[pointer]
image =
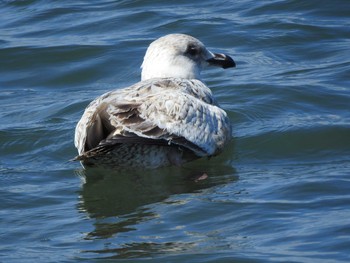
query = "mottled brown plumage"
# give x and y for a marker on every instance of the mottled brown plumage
(156, 122)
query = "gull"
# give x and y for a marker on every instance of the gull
(168, 118)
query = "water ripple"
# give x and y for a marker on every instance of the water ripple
(278, 193)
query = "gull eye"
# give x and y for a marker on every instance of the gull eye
(192, 50)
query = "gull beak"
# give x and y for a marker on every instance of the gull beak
(221, 60)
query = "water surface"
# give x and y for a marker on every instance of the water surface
(280, 193)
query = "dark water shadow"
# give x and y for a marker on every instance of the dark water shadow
(120, 200)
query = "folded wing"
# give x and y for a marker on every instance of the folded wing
(160, 112)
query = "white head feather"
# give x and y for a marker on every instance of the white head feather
(175, 55)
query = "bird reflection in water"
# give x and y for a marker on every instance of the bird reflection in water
(119, 201)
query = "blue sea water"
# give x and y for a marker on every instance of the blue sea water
(279, 193)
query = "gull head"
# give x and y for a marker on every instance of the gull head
(180, 56)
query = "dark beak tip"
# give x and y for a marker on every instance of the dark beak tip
(228, 62)
(223, 61)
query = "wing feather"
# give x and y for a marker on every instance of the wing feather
(174, 111)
